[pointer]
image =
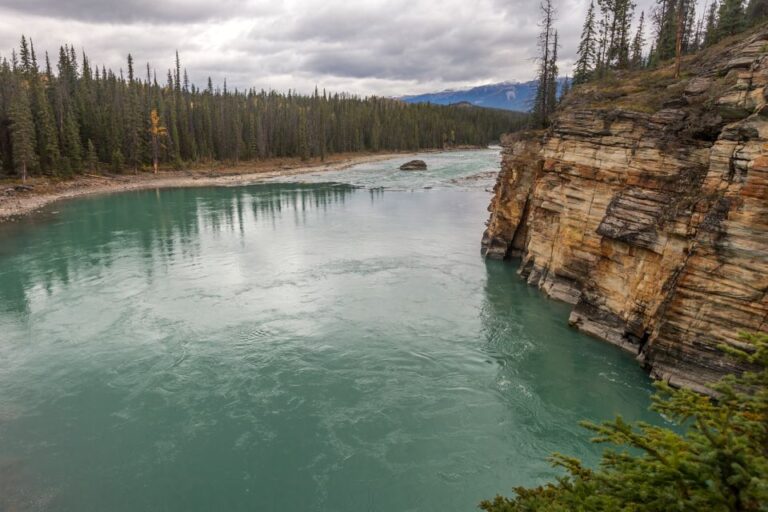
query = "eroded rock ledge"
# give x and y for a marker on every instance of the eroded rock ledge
(652, 222)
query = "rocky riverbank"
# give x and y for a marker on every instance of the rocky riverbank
(646, 207)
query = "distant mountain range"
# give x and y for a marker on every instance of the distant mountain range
(505, 95)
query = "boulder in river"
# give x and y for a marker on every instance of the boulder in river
(414, 165)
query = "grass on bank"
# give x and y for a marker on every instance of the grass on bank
(649, 90)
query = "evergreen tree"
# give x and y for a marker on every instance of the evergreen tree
(45, 129)
(604, 40)
(694, 29)
(716, 460)
(638, 43)
(586, 53)
(730, 19)
(303, 143)
(71, 145)
(130, 68)
(651, 56)
(543, 105)
(674, 22)
(35, 67)
(132, 115)
(621, 15)
(710, 32)
(92, 158)
(665, 24)
(679, 35)
(117, 161)
(757, 11)
(552, 82)
(48, 70)
(22, 132)
(25, 56)
(85, 114)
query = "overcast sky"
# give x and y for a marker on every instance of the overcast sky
(363, 46)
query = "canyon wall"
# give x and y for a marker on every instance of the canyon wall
(646, 207)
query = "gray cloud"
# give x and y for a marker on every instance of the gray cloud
(131, 11)
(368, 47)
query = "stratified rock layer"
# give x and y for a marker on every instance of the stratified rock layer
(652, 222)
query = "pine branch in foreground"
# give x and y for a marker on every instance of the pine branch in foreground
(718, 463)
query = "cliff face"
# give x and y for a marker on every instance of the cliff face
(646, 207)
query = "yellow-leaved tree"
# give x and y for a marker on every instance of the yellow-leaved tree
(158, 132)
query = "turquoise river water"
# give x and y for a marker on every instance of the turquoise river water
(333, 344)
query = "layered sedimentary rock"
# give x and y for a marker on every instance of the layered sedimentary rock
(646, 207)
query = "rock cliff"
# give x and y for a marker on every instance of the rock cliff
(646, 207)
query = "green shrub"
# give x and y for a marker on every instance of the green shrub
(719, 463)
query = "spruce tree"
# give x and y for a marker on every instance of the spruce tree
(542, 107)
(716, 458)
(45, 129)
(132, 125)
(552, 82)
(757, 11)
(130, 69)
(303, 143)
(603, 39)
(710, 32)
(25, 56)
(35, 66)
(696, 41)
(586, 54)
(730, 18)
(48, 70)
(71, 145)
(665, 24)
(621, 15)
(22, 132)
(638, 43)
(92, 157)
(87, 114)
(679, 35)
(117, 161)
(692, 33)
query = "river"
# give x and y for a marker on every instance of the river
(336, 344)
